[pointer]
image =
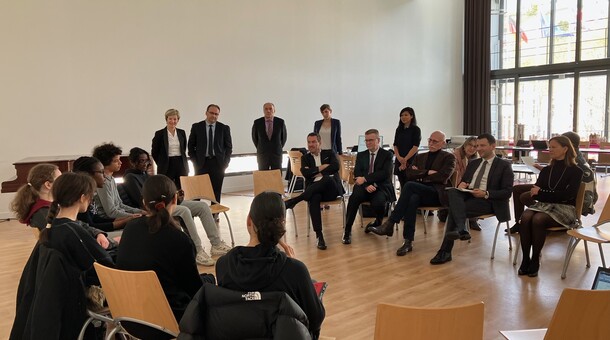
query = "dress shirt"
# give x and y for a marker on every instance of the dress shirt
(483, 185)
(325, 137)
(173, 144)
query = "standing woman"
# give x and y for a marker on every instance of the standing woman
(32, 201)
(406, 143)
(329, 130)
(555, 191)
(169, 149)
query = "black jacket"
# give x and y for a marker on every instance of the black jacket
(263, 145)
(310, 170)
(198, 144)
(381, 176)
(444, 164)
(159, 149)
(214, 313)
(335, 134)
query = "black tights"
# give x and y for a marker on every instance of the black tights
(533, 234)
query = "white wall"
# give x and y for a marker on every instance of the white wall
(77, 73)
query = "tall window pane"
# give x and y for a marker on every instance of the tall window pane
(533, 32)
(591, 105)
(503, 108)
(503, 14)
(564, 30)
(562, 106)
(533, 107)
(594, 29)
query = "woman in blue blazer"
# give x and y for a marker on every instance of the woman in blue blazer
(329, 130)
(169, 149)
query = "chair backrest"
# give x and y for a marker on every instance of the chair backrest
(346, 168)
(581, 314)
(605, 214)
(136, 294)
(580, 199)
(268, 180)
(400, 322)
(295, 162)
(198, 187)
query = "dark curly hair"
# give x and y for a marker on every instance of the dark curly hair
(105, 152)
(135, 153)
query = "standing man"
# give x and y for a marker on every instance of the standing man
(486, 187)
(210, 148)
(322, 183)
(426, 180)
(372, 183)
(269, 137)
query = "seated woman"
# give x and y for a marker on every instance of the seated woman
(94, 168)
(32, 201)
(260, 266)
(51, 298)
(156, 242)
(464, 154)
(555, 192)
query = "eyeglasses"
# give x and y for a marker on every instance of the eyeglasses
(370, 140)
(434, 141)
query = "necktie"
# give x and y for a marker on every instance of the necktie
(372, 164)
(269, 126)
(477, 181)
(210, 142)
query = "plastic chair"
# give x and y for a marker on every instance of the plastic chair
(580, 314)
(200, 187)
(137, 303)
(457, 323)
(588, 235)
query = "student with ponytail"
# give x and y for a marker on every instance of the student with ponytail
(32, 201)
(156, 242)
(260, 266)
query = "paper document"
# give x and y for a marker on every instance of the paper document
(460, 189)
(529, 162)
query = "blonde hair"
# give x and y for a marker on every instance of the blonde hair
(171, 112)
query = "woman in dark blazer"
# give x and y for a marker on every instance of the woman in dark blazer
(169, 149)
(329, 124)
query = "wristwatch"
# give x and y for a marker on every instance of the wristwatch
(486, 194)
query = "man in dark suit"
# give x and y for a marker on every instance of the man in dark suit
(488, 182)
(269, 137)
(322, 183)
(210, 148)
(427, 179)
(372, 183)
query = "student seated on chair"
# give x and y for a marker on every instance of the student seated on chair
(187, 209)
(489, 181)
(260, 266)
(322, 183)
(156, 242)
(555, 192)
(372, 183)
(427, 178)
(51, 300)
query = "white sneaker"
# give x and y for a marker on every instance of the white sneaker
(204, 259)
(220, 249)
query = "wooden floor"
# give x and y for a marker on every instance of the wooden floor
(368, 272)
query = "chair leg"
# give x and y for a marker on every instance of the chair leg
(572, 243)
(308, 220)
(230, 229)
(291, 185)
(294, 220)
(587, 254)
(517, 249)
(601, 254)
(425, 214)
(493, 247)
(343, 210)
(510, 240)
(361, 219)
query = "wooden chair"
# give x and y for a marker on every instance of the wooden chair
(200, 187)
(580, 314)
(346, 171)
(588, 235)
(271, 180)
(457, 323)
(137, 303)
(295, 167)
(580, 198)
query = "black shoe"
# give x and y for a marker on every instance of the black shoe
(290, 204)
(441, 257)
(369, 227)
(533, 269)
(387, 228)
(462, 235)
(524, 268)
(514, 229)
(406, 247)
(321, 244)
(442, 215)
(474, 225)
(347, 238)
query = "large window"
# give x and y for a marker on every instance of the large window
(549, 68)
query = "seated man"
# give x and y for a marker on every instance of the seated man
(427, 179)
(522, 196)
(489, 181)
(134, 181)
(322, 183)
(372, 183)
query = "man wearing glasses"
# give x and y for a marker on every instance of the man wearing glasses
(427, 179)
(372, 183)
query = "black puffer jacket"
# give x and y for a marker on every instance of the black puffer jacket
(217, 313)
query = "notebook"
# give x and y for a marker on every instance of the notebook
(602, 279)
(320, 288)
